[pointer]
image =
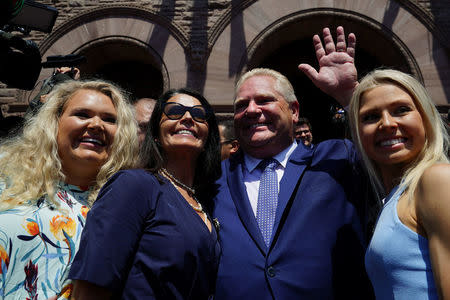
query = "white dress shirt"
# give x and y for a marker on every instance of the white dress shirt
(252, 174)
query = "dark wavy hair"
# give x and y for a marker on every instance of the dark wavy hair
(207, 169)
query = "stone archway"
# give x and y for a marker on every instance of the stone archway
(120, 37)
(135, 66)
(287, 42)
(420, 48)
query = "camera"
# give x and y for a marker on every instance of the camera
(57, 61)
(20, 59)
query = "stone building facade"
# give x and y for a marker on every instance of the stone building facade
(149, 46)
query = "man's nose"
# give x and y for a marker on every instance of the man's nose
(253, 107)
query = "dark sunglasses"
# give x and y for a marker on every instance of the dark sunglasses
(176, 111)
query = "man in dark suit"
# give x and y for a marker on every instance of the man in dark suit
(306, 242)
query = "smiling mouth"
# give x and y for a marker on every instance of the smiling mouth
(93, 141)
(392, 142)
(185, 132)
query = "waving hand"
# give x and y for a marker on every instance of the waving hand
(337, 74)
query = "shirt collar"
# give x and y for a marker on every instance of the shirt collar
(251, 162)
(76, 192)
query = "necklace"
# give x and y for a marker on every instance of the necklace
(189, 190)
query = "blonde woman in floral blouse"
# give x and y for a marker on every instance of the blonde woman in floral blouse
(50, 174)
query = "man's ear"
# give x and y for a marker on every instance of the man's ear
(295, 108)
(234, 147)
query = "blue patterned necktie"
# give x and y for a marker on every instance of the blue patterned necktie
(267, 198)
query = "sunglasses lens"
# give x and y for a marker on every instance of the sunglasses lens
(174, 111)
(198, 114)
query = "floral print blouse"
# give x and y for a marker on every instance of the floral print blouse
(38, 244)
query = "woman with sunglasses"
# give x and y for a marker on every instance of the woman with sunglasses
(148, 235)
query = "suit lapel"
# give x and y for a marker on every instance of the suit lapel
(235, 181)
(295, 167)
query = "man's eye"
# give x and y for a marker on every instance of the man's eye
(239, 106)
(263, 101)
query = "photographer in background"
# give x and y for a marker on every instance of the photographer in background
(60, 75)
(17, 53)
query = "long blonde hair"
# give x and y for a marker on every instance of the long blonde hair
(436, 142)
(29, 163)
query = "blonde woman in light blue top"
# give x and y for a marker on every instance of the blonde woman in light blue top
(50, 174)
(403, 142)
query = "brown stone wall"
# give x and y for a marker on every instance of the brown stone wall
(437, 12)
(185, 13)
(194, 17)
(440, 11)
(202, 23)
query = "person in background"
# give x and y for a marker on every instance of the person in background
(144, 108)
(290, 219)
(338, 128)
(228, 142)
(51, 174)
(303, 132)
(404, 143)
(59, 76)
(148, 235)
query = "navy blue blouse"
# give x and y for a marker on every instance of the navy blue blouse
(142, 240)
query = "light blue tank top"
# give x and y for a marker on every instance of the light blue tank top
(398, 260)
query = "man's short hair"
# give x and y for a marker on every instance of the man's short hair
(228, 132)
(282, 84)
(305, 121)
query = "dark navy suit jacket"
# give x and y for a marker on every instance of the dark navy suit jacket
(317, 248)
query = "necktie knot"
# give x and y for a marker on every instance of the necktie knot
(268, 164)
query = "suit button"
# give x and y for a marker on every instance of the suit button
(271, 271)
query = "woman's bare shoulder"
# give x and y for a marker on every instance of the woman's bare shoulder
(433, 193)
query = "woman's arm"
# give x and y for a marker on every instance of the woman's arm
(113, 230)
(84, 290)
(433, 213)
